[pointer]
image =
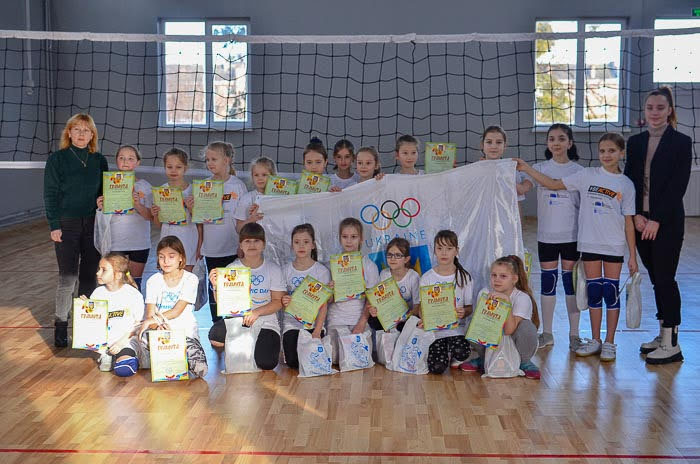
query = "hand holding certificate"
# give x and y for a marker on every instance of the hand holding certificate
(118, 189)
(208, 196)
(438, 307)
(391, 307)
(307, 299)
(233, 291)
(440, 156)
(348, 276)
(89, 324)
(486, 327)
(313, 183)
(281, 186)
(168, 355)
(172, 208)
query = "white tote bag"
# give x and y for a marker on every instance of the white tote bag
(385, 346)
(580, 286)
(411, 350)
(633, 302)
(315, 357)
(102, 235)
(355, 350)
(504, 361)
(239, 347)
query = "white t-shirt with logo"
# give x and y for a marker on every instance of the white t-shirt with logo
(125, 309)
(606, 199)
(222, 239)
(164, 298)
(246, 202)
(263, 280)
(293, 278)
(557, 210)
(463, 297)
(409, 286)
(187, 233)
(522, 304)
(344, 183)
(349, 312)
(132, 231)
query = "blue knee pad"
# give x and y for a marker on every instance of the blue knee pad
(567, 278)
(594, 288)
(611, 293)
(549, 282)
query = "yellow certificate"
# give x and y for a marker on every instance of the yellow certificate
(208, 201)
(437, 304)
(171, 204)
(348, 276)
(233, 291)
(486, 327)
(440, 156)
(391, 307)
(281, 186)
(307, 299)
(313, 183)
(168, 355)
(89, 324)
(117, 192)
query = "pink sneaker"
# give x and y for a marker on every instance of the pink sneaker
(475, 365)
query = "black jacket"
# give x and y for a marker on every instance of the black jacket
(669, 174)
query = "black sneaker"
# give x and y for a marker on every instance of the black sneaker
(60, 336)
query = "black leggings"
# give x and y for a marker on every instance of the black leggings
(289, 344)
(267, 345)
(374, 323)
(441, 350)
(213, 263)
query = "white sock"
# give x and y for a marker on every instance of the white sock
(547, 302)
(574, 314)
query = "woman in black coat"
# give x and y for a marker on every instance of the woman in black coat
(658, 162)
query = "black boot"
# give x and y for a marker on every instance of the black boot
(60, 337)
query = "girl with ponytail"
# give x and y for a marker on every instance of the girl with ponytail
(509, 283)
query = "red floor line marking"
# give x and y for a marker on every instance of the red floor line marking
(349, 454)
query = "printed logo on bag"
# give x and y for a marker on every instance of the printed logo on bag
(390, 212)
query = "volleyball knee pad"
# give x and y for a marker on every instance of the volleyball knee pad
(594, 288)
(611, 293)
(567, 278)
(549, 282)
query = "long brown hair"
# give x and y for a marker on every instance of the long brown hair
(447, 237)
(351, 222)
(174, 243)
(120, 263)
(518, 268)
(73, 121)
(665, 92)
(309, 229)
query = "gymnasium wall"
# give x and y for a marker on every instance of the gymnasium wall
(298, 17)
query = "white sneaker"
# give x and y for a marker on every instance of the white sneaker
(608, 352)
(575, 342)
(545, 339)
(454, 363)
(589, 348)
(105, 363)
(670, 349)
(648, 347)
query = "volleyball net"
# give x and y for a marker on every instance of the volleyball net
(268, 95)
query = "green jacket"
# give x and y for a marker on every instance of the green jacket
(71, 189)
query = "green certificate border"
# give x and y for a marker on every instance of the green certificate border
(440, 165)
(277, 185)
(439, 321)
(103, 307)
(241, 278)
(171, 208)
(392, 309)
(204, 199)
(486, 326)
(154, 337)
(111, 205)
(323, 183)
(304, 300)
(351, 288)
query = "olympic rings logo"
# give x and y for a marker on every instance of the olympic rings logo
(390, 212)
(257, 279)
(296, 281)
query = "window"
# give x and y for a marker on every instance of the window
(204, 84)
(677, 58)
(577, 81)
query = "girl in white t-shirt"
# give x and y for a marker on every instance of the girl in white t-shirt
(305, 263)
(557, 232)
(450, 348)
(170, 297)
(605, 227)
(266, 291)
(509, 282)
(406, 152)
(344, 156)
(248, 209)
(398, 258)
(175, 161)
(125, 311)
(131, 233)
(367, 164)
(352, 314)
(220, 241)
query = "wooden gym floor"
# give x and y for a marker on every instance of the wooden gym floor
(57, 407)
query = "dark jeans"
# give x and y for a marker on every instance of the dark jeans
(213, 263)
(77, 262)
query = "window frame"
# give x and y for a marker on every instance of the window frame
(686, 84)
(579, 124)
(210, 123)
